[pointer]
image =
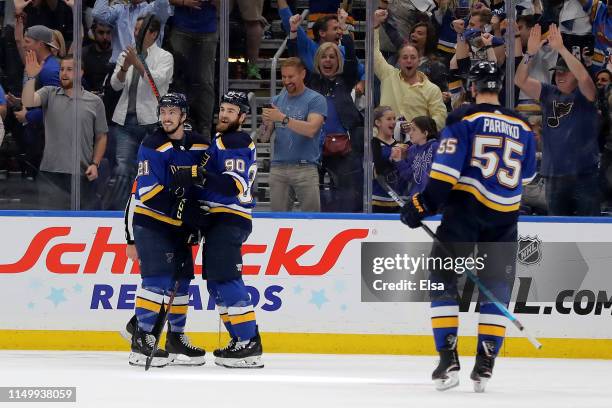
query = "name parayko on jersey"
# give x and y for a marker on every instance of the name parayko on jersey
(499, 126)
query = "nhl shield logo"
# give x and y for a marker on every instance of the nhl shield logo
(529, 250)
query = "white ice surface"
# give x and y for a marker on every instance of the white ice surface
(104, 379)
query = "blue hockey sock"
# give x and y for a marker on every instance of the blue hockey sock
(491, 328)
(148, 305)
(178, 312)
(444, 322)
(237, 310)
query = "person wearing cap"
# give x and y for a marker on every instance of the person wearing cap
(570, 156)
(38, 41)
(57, 161)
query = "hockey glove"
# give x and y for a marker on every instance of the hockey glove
(192, 213)
(189, 176)
(414, 211)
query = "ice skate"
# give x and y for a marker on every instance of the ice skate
(182, 352)
(446, 375)
(483, 368)
(244, 354)
(142, 346)
(218, 353)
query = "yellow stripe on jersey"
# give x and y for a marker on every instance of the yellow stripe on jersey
(229, 210)
(220, 144)
(528, 107)
(599, 57)
(164, 147)
(239, 185)
(159, 217)
(445, 48)
(147, 304)
(443, 322)
(491, 330)
(385, 203)
(151, 193)
(484, 200)
(442, 177)
(252, 146)
(455, 84)
(199, 146)
(247, 317)
(224, 317)
(511, 119)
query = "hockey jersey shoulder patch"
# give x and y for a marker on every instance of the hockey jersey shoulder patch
(458, 114)
(157, 141)
(235, 140)
(197, 141)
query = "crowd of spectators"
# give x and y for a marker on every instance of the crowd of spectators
(423, 49)
(178, 51)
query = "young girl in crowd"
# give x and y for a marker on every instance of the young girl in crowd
(384, 147)
(414, 169)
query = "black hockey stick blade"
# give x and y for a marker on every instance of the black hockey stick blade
(162, 319)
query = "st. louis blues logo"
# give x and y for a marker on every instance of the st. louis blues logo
(529, 250)
(421, 164)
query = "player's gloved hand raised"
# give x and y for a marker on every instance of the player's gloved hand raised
(193, 213)
(188, 176)
(414, 211)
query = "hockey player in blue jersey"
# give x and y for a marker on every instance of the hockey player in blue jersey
(227, 176)
(486, 154)
(161, 237)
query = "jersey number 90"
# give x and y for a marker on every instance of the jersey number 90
(239, 166)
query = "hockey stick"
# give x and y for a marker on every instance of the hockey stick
(139, 44)
(483, 289)
(162, 319)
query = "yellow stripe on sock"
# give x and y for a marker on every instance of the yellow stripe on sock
(224, 317)
(247, 317)
(491, 330)
(179, 309)
(147, 304)
(444, 322)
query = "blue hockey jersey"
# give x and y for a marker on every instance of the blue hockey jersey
(231, 167)
(484, 157)
(153, 195)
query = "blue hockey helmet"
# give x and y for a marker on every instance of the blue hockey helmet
(174, 99)
(237, 98)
